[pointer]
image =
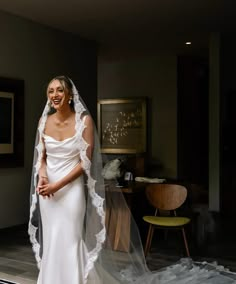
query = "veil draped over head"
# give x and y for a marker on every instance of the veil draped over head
(112, 266)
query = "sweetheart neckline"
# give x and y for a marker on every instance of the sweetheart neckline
(59, 140)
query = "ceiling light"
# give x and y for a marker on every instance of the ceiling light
(188, 43)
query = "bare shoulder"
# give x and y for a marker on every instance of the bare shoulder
(88, 120)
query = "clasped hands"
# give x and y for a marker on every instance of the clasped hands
(45, 188)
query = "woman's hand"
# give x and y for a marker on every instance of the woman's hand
(42, 180)
(47, 189)
(43, 187)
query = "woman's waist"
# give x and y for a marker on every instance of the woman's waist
(59, 165)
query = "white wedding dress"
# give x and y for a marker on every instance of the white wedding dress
(64, 251)
(65, 258)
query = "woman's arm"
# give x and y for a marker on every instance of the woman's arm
(50, 188)
(43, 168)
(42, 174)
(88, 136)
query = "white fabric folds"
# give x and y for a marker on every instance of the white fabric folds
(72, 245)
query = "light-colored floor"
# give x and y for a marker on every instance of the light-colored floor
(17, 261)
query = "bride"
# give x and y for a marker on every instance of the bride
(67, 212)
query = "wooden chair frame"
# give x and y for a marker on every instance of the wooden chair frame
(165, 197)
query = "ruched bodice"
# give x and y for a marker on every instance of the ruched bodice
(61, 155)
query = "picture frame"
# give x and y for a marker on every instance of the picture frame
(11, 122)
(122, 125)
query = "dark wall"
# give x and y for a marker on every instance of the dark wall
(35, 54)
(192, 106)
(228, 125)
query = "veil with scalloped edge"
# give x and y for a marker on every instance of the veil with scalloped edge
(100, 254)
(112, 266)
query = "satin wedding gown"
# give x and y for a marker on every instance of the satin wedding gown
(64, 251)
(56, 225)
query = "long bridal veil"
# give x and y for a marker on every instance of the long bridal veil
(110, 265)
(102, 263)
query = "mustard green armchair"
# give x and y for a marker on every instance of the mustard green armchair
(165, 198)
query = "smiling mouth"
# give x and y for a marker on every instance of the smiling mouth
(56, 102)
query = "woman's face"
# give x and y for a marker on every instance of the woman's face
(58, 95)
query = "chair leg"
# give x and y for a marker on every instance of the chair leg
(149, 240)
(185, 242)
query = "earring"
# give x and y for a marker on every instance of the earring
(70, 100)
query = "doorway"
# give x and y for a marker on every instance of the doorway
(192, 104)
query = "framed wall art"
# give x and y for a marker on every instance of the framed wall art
(11, 122)
(122, 125)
